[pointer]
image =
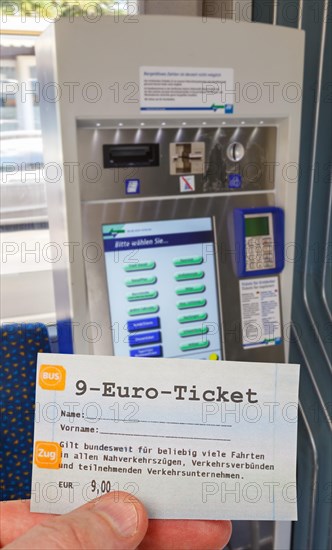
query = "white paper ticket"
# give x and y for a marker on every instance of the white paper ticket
(191, 439)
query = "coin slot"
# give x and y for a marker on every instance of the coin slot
(235, 151)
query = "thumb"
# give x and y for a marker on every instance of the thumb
(116, 521)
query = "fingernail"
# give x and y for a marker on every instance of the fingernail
(122, 515)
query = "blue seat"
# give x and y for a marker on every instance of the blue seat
(19, 345)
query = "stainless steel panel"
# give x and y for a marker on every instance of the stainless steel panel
(220, 208)
(256, 167)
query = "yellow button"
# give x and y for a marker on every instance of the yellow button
(214, 357)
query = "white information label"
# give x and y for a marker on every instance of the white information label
(191, 439)
(172, 89)
(260, 312)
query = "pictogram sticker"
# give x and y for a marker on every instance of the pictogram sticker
(132, 186)
(187, 184)
(47, 454)
(52, 377)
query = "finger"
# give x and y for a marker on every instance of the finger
(16, 519)
(116, 521)
(186, 535)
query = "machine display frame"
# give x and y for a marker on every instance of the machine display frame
(177, 245)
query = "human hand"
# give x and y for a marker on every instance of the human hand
(116, 521)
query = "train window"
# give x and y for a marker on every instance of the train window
(26, 274)
(26, 251)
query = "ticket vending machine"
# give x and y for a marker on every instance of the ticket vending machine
(171, 147)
